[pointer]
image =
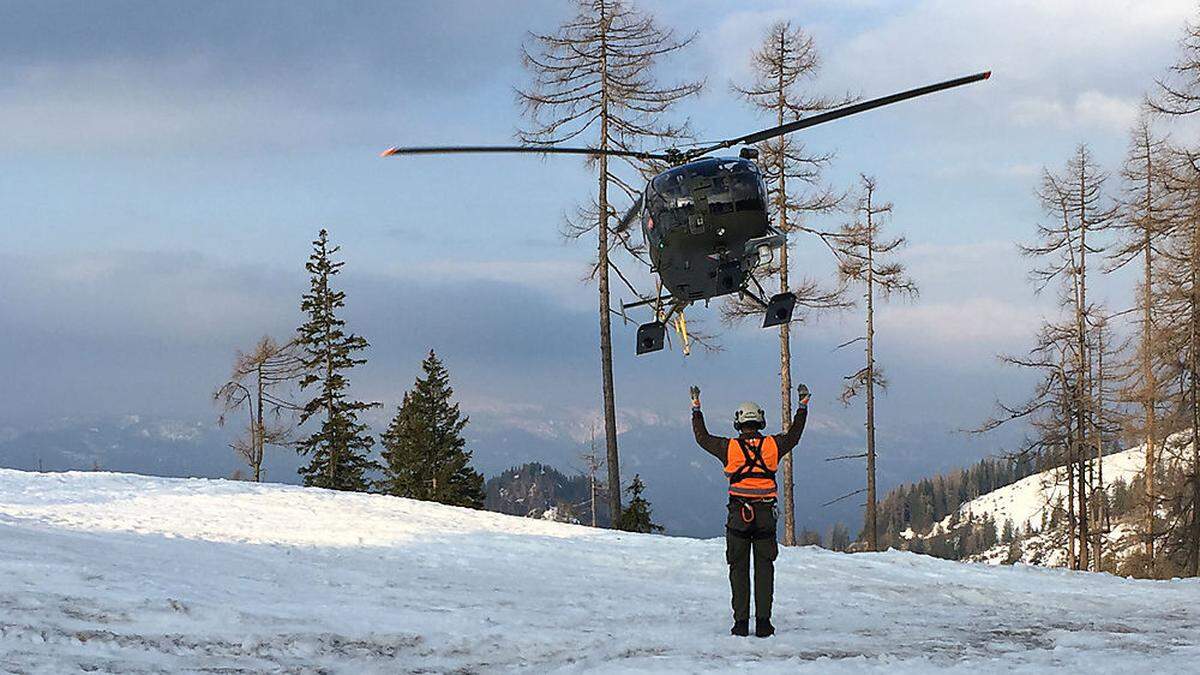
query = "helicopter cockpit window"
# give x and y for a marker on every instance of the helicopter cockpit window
(747, 191)
(669, 205)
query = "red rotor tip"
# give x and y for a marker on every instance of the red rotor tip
(987, 74)
(389, 152)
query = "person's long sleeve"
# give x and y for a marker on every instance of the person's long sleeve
(791, 438)
(713, 445)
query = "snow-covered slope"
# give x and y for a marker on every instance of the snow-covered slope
(125, 573)
(1025, 501)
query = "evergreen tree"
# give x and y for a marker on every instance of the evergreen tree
(636, 516)
(339, 450)
(425, 456)
(1009, 533)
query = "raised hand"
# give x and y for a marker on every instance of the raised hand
(695, 392)
(804, 393)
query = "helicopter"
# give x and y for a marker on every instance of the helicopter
(704, 220)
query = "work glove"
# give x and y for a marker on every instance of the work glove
(695, 391)
(802, 390)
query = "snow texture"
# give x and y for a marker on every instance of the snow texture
(122, 573)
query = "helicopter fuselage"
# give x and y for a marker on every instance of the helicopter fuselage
(706, 227)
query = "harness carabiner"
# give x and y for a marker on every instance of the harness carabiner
(747, 507)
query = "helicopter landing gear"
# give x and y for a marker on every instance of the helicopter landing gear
(651, 337)
(779, 309)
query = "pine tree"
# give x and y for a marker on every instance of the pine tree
(425, 456)
(809, 538)
(636, 516)
(340, 450)
(594, 78)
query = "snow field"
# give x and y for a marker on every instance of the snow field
(121, 573)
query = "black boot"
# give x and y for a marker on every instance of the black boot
(763, 628)
(740, 627)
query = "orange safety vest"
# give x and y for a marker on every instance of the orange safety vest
(750, 465)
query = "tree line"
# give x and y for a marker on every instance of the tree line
(303, 383)
(423, 455)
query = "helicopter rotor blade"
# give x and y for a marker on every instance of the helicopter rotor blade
(531, 149)
(839, 113)
(630, 215)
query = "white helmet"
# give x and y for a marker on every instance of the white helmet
(749, 413)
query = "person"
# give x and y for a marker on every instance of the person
(751, 460)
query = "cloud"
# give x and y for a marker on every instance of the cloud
(157, 108)
(1090, 109)
(154, 331)
(145, 77)
(1025, 43)
(182, 297)
(982, 324)
(560, 279)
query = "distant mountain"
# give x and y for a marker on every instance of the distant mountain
(685, 486)
(136, 444)
(540, 491)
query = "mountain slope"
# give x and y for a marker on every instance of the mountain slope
(1025, 521)
(1025, 501)
(125, 573)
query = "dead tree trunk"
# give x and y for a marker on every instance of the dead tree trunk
(594, 76)
(866, 259)
(872, 503)
(786, 58)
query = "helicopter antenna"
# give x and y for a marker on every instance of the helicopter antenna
(835, 114)
(532, 149)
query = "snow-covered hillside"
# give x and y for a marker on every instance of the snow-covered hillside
(1028, 504)
(1026, 501)
(124, 573)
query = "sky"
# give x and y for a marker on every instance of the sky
(164, 167)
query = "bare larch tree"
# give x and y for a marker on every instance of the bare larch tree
(594, 79)
(783, 63)
(1078, 207)
(256, 383)
(1178, 95)
(867, 259)
(1106, 352)
(1145, 221)
(593, 463)
(1177, 303)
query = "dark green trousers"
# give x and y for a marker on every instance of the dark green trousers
(751, 537)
